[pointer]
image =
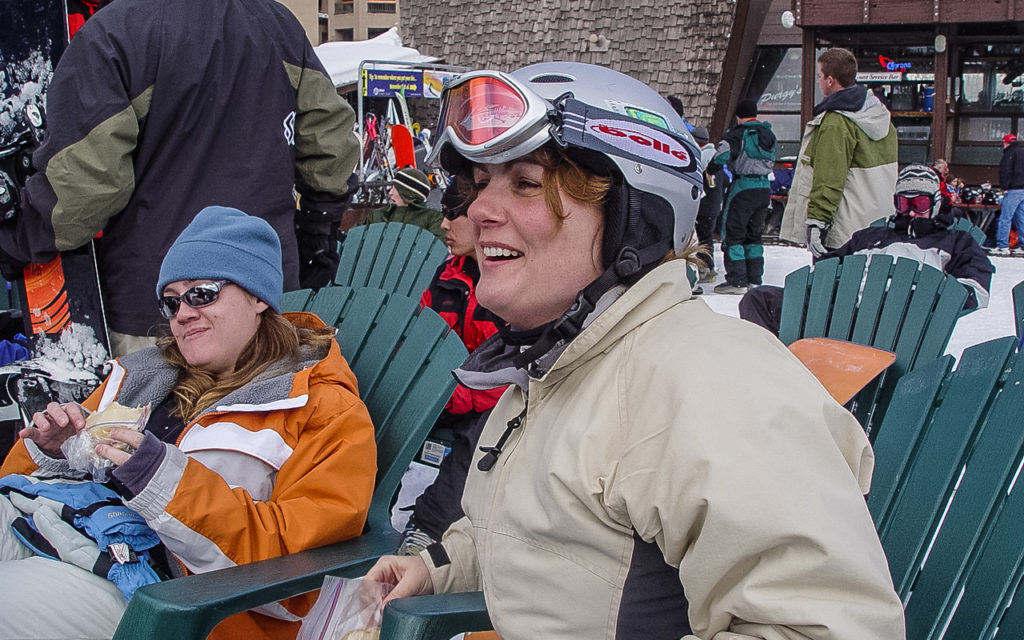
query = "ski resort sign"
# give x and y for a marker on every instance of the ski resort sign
(412, 83)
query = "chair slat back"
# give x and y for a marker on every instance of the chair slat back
(1018, 309)
(981, 519)
(392, 256)
(896, 305)
(402, 356)
(930, 479)
(947, 457)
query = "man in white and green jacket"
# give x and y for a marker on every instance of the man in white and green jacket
(848, 161)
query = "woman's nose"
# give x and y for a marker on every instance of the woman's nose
(185, 313)
(486, 207)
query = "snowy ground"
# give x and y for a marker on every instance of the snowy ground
(984, 324)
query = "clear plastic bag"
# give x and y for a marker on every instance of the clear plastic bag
(346, 610)
(80, 449)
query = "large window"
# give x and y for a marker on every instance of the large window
(775, 85)
(988, 89)
(991, 78)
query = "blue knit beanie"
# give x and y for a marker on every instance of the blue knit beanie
(225, 243)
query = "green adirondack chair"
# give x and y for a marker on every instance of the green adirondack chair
(944, 493)
(402, 357)
(904, 307)
(946, 463)
(393, 256)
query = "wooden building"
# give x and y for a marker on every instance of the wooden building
(676, 47)
(951, 71)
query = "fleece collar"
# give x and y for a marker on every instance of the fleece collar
(144, 377)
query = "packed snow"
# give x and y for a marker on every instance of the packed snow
(76, 356)
(995, 321)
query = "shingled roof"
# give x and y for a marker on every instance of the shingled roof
(677, 47)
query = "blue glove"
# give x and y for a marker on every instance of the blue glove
(50, 535)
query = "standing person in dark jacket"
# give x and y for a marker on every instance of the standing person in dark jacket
(1011, 180)
(918, 229)
(748, 149)
(157, 110)
(452, 293)
(710, 205)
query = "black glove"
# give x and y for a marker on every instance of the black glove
(317, 231)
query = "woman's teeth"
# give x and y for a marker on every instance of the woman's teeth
(498, 252)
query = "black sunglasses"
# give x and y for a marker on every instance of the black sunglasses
(198, 296)
(453, 213)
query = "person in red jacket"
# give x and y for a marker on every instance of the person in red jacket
(452, 293)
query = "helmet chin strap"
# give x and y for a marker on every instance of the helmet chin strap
(628, 263)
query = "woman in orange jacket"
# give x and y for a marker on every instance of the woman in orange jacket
(257, 444)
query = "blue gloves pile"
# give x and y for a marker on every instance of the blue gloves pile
(85, 524)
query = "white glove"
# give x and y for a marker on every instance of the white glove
(11, 547)
(816, 230)
(71, 545)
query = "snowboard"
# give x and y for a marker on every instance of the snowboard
(64, 294)
(401, 142)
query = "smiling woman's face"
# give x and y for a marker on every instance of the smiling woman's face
(532, 264)
(212, 337)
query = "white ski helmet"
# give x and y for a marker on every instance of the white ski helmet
(610, 123)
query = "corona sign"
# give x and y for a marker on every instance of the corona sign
(891, 65)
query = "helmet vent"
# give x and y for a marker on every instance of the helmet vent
(552, 78)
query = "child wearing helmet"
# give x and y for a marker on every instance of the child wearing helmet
(918, 229)
(611, 498)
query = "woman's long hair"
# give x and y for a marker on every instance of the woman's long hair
(276, 339)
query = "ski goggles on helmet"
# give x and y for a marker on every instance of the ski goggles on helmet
(490, 117)
(918, 203)
(201, 295)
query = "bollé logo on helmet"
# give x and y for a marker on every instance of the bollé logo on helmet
(641, 141)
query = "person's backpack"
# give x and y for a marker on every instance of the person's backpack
(754, 159)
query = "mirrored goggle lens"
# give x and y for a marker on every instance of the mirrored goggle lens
(919, 203)
(482, 109)
(198, 296)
